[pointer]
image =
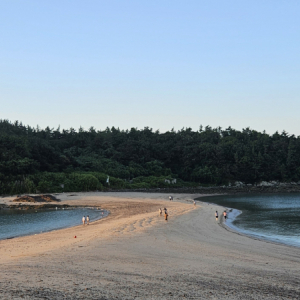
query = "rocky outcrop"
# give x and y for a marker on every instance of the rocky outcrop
(37, 198)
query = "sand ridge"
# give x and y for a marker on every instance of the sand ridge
(126, 216)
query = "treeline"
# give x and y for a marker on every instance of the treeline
(54, 160)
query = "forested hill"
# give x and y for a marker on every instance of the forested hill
(30, 157)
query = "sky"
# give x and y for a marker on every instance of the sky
(161, 64)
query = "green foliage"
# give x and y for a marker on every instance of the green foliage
(206, 174)
(101, 177)
(68, 160)
(29, 186)
(140, 185)
(85, 182)
(151, 181)
(21, 185)
(44, 186)
(116, 182)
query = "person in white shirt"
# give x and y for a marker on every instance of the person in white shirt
(83, 220)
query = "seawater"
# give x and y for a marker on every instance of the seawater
(272, 217)
(14, 223)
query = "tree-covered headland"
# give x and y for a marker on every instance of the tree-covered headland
(55, 160)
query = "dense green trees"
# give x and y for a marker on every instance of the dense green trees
(45, 159)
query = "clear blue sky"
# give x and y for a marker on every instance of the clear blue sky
(161, 64)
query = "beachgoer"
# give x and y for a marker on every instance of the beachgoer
(225, 215)
(87, 220)
(216, 215)
(166, 215)
(194, 203)
(170, 198)
(160, 211)
(83, 220)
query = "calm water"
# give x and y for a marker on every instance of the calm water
(272, 217)
(17, 223)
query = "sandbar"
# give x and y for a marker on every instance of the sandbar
(135, 254)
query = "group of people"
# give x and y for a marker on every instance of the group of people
(85, 220)
(165, 211)
(224, 215)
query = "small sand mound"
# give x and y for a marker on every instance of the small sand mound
(39, 198)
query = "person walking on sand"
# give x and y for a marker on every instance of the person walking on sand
(216, 215)
(194, 203)
(87, 220)
(166, 215)
(225, 215)
(83, 220)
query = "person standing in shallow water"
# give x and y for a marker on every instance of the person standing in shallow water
(225, 215)
(83, 220)
(87, 220)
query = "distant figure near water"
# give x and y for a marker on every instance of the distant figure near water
(194, 203)
(225, 215)
(171, 198)
(216, 215)
(87, 220)
(83, 220)
(166, 215)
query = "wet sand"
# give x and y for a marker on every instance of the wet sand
(135, 254)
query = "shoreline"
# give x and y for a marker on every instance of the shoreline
(235, 229)
(222, 223)
(135, 254)
(253, 236)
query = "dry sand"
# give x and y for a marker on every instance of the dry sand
(135, 254)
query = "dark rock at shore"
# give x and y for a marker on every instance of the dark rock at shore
(38, 198)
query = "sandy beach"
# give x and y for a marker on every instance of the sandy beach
(135, 254)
